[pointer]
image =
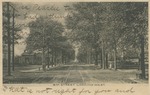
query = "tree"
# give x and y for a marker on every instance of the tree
(139, 25)
(111, 27)
(52, 42)
(9, 32)
(85, 22)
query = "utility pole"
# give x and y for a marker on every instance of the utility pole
(8, 35)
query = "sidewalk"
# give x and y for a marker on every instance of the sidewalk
(38, 69)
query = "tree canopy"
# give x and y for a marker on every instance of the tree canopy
(109, 27)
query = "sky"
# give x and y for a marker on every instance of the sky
(30, 12)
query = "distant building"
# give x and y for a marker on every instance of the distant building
(27, 58)
(30, 58)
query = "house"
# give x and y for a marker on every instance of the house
(27, 58)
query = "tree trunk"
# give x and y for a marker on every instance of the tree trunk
(87, 57)
(62, 57)
(91, 57)
(142, 57)
(48, 57)
(115, 60)
(13, 64)
(106, 62)
(55, 58)
(103, 56)
(52, 59)
(65, 59)
(8, 31)
(96, 57)
(43, 60)
(43, 54)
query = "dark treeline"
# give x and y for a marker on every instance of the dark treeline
(54, 46)
(109, 31)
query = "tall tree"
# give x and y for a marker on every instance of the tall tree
(84, 21)
(10, 31)
(111, 26)
(50, 32)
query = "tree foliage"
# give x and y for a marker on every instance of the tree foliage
(109, 27)
(46, 36)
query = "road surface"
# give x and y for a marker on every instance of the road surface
(71, 74)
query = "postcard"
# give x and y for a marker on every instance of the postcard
(74, 47)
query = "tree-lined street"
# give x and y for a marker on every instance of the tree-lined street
(78, 42)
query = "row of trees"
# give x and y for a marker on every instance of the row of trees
(109, 29)
(104, 30)
(10, 35)
(46, 36)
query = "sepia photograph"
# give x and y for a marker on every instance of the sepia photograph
(75, 43)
